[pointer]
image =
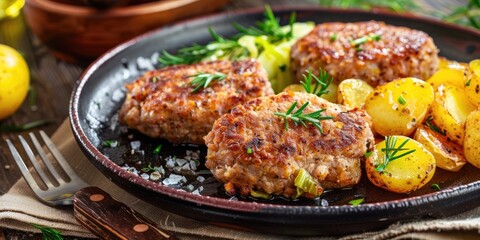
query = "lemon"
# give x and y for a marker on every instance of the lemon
(14, 80)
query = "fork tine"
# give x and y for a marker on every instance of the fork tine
(34, 162)
(43, 156)
(23, 168)
(58, 156)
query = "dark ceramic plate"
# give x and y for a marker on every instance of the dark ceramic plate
(98, 96)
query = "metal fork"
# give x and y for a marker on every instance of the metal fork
(54, 195)
(94, 208)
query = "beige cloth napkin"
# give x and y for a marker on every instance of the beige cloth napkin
(19, 208)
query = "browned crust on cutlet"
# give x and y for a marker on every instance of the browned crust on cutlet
(401, 52)
(161, 103)
(333, 158)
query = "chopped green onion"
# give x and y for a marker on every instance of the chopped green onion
(359, 41)
(249, 150)
(260, 194)
(110, 143)
(150, 168)
(368, 153)
(468, 82)
(436, 186)
(333, 37)
(157, 149)
(356, 202)
(402, 100)
(305, 183)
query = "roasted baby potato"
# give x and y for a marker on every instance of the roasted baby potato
(471, 146)
(446, 63)
(399, 106)
(401, 171)
(453, 76)
(450, 110)
(353, 92)
(448, 155)
(472, 84)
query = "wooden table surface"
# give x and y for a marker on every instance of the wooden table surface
(54, 79)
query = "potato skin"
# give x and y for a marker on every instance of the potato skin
(405, 174)
(450, 110)
(353, 93)
(455, 76)
(471, 146)
(472, 85)
(448, 155)
(389, 116)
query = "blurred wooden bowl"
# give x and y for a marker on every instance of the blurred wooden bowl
(80, 33)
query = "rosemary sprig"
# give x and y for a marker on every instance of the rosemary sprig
(202, 80)
(298, 117)
(48, 233)
(269, 27)
(468, 15)
(391, 152)
(24, 127)
(323, 80)
(196, 53)
(432, 126)
(396, 5)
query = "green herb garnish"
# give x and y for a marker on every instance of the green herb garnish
(468, 82)
(150, 168)
(202, 80)
(359, 41)
(305, 183)
(468, 15)
(24, 127)
(249, 150)
(396, 5)
(368, 153)
(433, 126)
(197, 53)
(436, 186)
(333, 37)
(299, 117)
(110, 143)
(157, 149)
(203, 172)
(356, 202)
(32, 98)
(260, 194)
(323, 80)
(269, 27)
(391, 152)
(48, 233)
(402, 100)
